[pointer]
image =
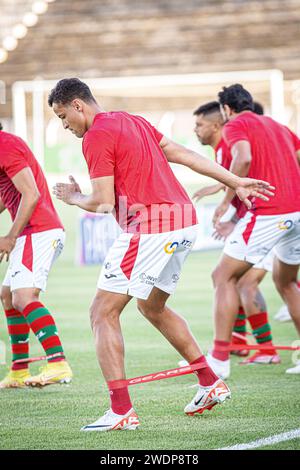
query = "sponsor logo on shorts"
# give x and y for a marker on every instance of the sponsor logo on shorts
(107, 265)
(175, 278)
(109, 276)
(57, 244)
(171, 247)
(232, 242)
(263, 250)
(186, 243)
(285, 224)
(146, 279)
(294, 251)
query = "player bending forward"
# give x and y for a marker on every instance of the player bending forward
(128, 165)
(34, 241)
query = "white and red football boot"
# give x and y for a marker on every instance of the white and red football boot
(207, 397)
(111, 421)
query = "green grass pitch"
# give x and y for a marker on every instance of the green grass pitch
(265, 401)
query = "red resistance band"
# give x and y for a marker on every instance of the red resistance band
(250, 347)
(39, 358)
(164, 374)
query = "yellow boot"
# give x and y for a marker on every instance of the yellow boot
(52, 373)
(15, 379)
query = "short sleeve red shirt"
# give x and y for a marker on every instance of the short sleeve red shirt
(149, 199)
(15, 155)
(273, 159)
(295, 138)
(224, 158)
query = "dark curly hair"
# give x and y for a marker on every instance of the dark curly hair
(258, 108)
(68, 89)
(237, 98)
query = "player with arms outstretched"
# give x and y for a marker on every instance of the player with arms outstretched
(127, 160)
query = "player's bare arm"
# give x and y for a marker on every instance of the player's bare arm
(102, 198)
(208, 191)
(241, 159)
(243, 187)
(25, 184)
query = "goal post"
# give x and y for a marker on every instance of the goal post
(34, 92)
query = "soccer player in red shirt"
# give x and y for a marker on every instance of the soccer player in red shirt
(34, 241)
(208, 128)
(128, 165)
(259, 146)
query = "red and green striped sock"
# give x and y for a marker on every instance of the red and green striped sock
(261, 330)
(18, 330)
(42, 324)
(240, 322)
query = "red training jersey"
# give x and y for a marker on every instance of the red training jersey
(274, 159)
(224, 158)
(15, 155)
(149, 199)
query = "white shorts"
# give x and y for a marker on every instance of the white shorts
(31, 259)
(137, 263)
(267, 262)
(255, 236)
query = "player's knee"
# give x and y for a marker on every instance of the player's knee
(6, 298)
(20, 300)
(150, 311)
(217, 276)
(283, 285)
(246, 290)
(101, 313)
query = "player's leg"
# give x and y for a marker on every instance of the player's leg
(105, 314)
(283, 314)
(239, 332)
(225, 278)
(107, 306)
(286, 267)
(256, 309)
(252, 239)
(177, 332)
(285, 279)
(18, 330)
(31, 262)
(286, 270)
(226, 303)
(170, 324)
(42, 323)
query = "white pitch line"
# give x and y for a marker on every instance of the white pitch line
(267, 441)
